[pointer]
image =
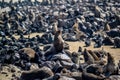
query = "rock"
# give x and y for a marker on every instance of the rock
(61, 57)
(67, 65)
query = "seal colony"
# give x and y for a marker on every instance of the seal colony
(60, 21)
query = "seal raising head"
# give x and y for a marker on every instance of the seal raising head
(58, 41)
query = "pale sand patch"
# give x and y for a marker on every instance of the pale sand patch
(115, 52)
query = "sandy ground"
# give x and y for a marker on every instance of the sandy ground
(115, 52)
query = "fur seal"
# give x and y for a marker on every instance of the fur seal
(75, 26)
(58, 44)
(76, 58)
(58, 41)
(117, 42)
(111, 67)
(30, 52)
(76, 30)
(54, 28)
(88, 57)
(94, 55)
(90, 76)
(108, 41)
(107, 27)
(41, 73)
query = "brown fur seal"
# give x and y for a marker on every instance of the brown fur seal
(76, 58)
(94, 55)
(90, 76)
(111, 67)
(88, 57)
(78, 33)
(107, 27)
(54, 28)
(97, 11)
(75, 27)
(30, 52)
(117, 42)
(75, 75)
(58, 44)
(58, 41)
(41, 73)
